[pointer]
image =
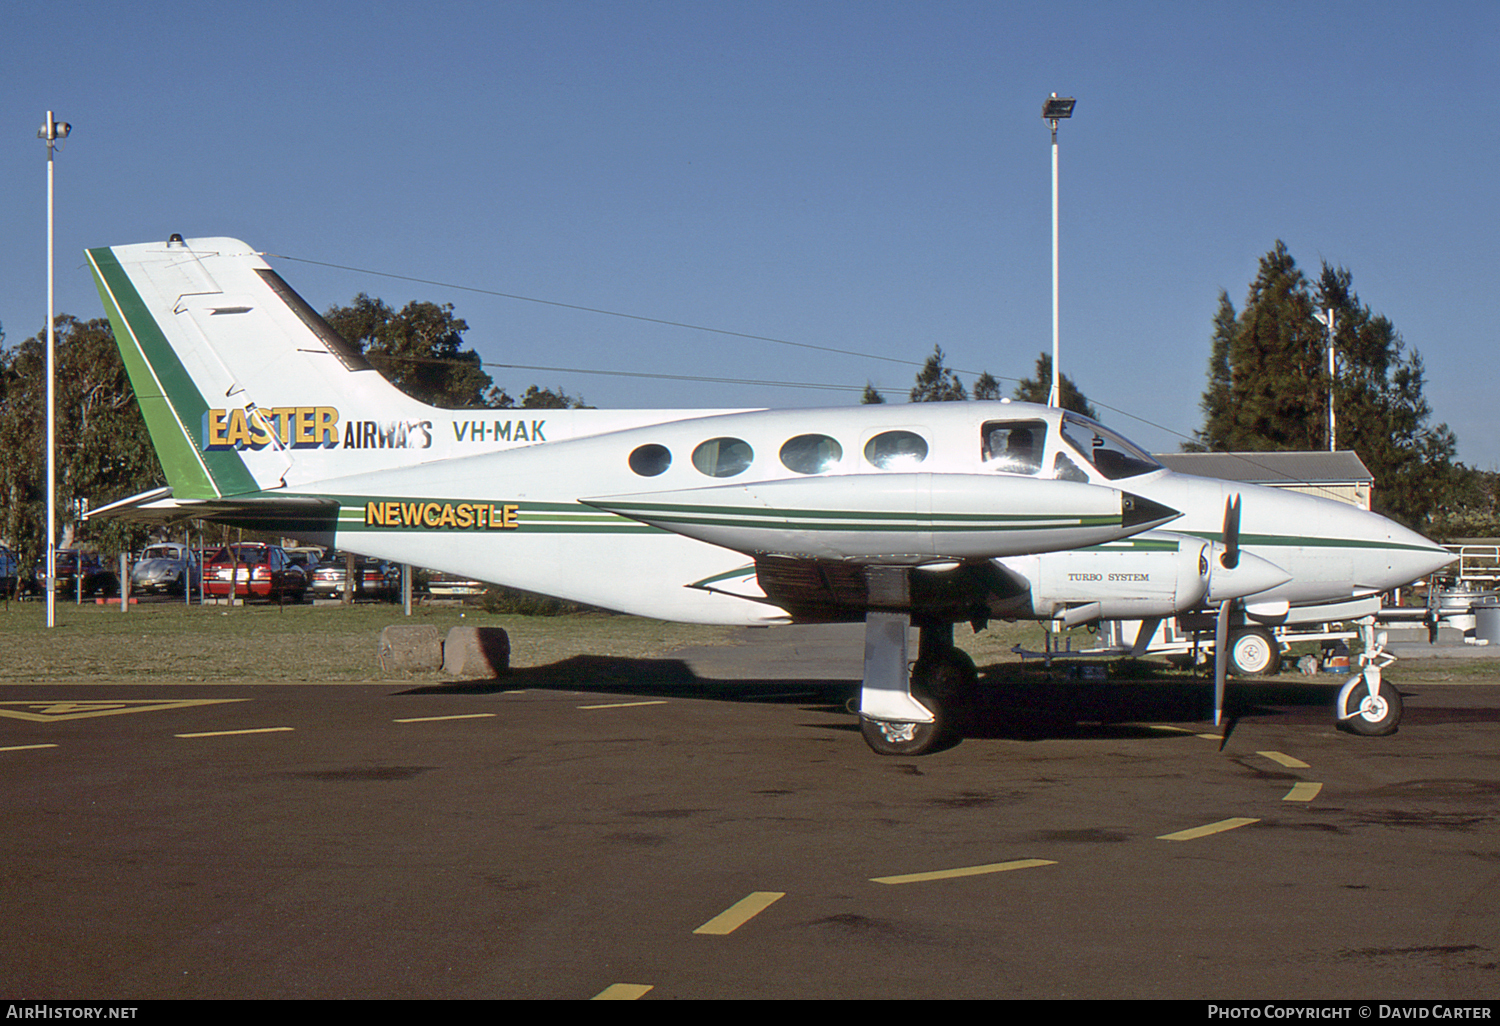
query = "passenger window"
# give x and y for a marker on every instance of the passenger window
(811, 454)
(650, 460)
(723, 457)
(896, 450)
(1013, 447)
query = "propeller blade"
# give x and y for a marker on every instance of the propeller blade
(1231, 557)
(1221, 658)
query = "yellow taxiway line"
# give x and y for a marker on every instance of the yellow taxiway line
(622, 992)
(1211, 828)
(950, 874)
(740, 913)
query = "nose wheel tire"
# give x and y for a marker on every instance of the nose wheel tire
(1369, 712)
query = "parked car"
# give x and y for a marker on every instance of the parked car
(373, 578)
(451, 586)
(9, 569)
(69, 564)
(257, 571)
(165, 569)
(308, 557)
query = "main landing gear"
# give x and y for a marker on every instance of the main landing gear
(913, 713)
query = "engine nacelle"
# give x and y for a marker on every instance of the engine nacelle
(1130, 580)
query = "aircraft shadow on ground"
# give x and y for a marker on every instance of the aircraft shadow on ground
(1013, 701)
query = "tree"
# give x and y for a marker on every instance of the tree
(535, 398)
(986, 388)
(103, 449)
(1268, 386)
(936, 383)
(871, 397)
(420, 351)
(1039, 389)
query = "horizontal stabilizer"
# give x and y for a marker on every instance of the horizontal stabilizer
(289, 514)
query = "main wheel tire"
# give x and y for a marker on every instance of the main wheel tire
(949, 680)
(901, 738)
(1254, 653)
(1370, 714)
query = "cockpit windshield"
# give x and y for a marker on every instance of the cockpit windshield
(1111, 455)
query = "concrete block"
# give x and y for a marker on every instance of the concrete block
(472, 653)
(410, 648)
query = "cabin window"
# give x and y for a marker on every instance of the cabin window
(896, 450)
(650, 460)
(811, 454)
(723, 457)
(1013, 446)
(1111, 455)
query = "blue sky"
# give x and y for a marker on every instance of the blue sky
(864, 176)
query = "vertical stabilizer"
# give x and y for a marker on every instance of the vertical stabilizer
(235, 372)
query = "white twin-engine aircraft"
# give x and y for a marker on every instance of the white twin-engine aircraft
(896, 515)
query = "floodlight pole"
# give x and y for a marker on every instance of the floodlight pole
(1053, 110)
(51, 131)
(1329, 320)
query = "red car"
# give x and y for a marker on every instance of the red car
(260, 571)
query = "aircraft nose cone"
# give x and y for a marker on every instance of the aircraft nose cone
(1413, 556)
(1136, 510)
(1250, 577)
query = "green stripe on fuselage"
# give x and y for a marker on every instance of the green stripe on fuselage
(1297, 541)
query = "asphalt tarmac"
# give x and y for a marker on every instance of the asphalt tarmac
(712, 826)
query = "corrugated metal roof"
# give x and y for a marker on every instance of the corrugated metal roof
(1272, 468)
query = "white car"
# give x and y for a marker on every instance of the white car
(165, 568)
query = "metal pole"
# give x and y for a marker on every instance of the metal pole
(1054, 397)
(1332, 432)
(50, 130)
(1329, 319)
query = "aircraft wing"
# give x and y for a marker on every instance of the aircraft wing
(833, 549)
(828, 591)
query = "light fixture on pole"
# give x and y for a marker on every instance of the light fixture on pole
(1329, 320)
(1054, 110)
(52, 131)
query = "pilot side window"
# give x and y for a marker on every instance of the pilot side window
(1064, 469)
(896, 450)
(723, 457)
(1111, 455)
(1013, 447)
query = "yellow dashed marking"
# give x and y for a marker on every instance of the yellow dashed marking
(434, 719)
(1204, 831)
(1285, 760)
(949, 874)
(623, 705)
(1306, 791)
(228, 733)
(23, 748)
(622, 992)
(740, 913)
(50, 712)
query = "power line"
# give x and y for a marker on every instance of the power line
(607, 313)
(691, 327)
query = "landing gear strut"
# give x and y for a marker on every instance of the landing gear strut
(912, 713)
